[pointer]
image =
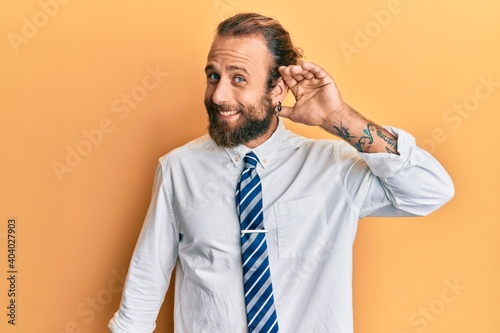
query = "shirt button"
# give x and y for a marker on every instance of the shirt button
(237, 158)
(265, 161)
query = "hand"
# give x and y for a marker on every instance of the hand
(316, 95)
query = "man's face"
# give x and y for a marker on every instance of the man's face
(239, 107)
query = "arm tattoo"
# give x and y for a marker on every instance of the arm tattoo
(343, 132)
(390, 141)
(365, 141)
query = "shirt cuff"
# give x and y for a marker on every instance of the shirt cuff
(386, 165)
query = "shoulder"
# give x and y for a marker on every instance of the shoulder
(196, 148)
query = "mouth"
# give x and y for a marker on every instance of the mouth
(226, 113)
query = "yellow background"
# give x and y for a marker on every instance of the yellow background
(65, 68)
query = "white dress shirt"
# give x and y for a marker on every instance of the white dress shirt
(314, 192)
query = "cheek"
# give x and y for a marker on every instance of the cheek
(209, 91)
(248, 98)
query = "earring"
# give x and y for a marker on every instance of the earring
(278, 107)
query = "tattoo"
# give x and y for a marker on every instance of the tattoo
(393, 149)
(343, 132)
(364, 142)
(390, 151)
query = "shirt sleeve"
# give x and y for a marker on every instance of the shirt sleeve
(412, 183)
(150, 269)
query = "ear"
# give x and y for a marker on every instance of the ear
(278, 93)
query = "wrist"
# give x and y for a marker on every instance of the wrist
(337, 116)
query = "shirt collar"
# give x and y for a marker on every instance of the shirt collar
(265, 151)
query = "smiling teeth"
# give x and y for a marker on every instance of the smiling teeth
(228, 113)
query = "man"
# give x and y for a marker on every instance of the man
(299, 199)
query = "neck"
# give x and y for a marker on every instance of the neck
(263, 138)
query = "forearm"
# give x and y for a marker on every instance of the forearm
(363, 134)
(412, 183)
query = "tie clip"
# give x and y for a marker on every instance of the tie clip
(260, 231)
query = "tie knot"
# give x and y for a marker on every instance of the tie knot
(250, 160)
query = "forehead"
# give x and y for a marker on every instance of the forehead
(249, 51)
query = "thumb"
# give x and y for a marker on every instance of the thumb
(286, 111)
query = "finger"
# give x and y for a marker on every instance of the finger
(298, 77)
(297, 73)
(287, 76)
(296, 69)
(308, 75)
(307, 71)
(317, 71)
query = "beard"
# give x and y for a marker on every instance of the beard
(254, 121)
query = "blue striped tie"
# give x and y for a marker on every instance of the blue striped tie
(259, 299)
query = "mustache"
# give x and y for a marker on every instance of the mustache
(211, 106)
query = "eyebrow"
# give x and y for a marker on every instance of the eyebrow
(229, 68)
(238, 68)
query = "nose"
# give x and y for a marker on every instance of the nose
(222, 93)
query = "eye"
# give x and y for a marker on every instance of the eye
(239, 79)
(213, 77)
